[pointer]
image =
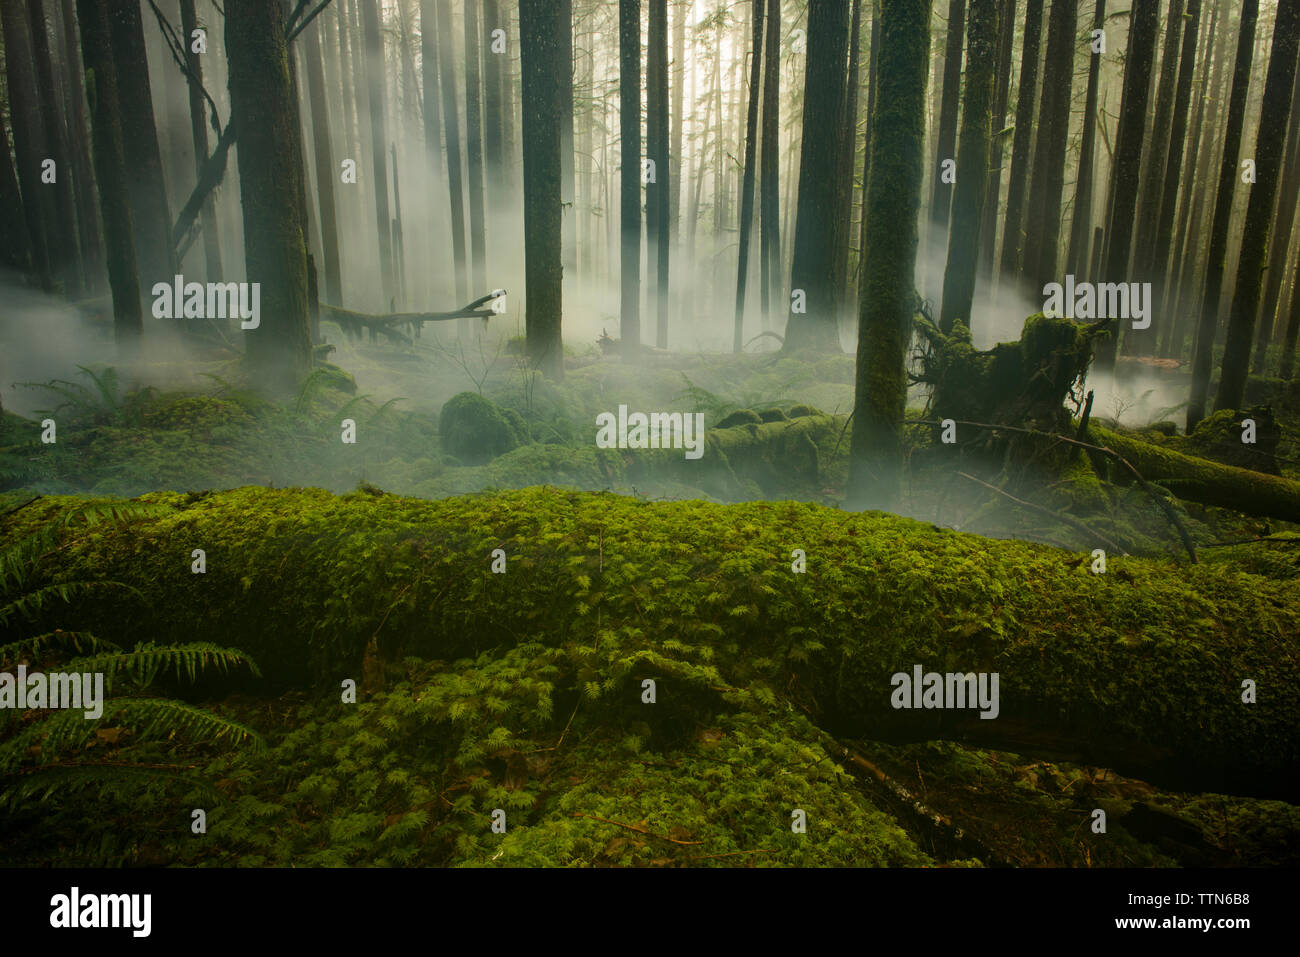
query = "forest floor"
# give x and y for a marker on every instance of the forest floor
(388, 781)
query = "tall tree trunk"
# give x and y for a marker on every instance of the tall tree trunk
(146, 189)
(540, 34)
(451, 128)
(1012, 229)
(812, 323)
(1128, 156)
(888, 297)
(79, 139)
(374, 41)
(350, 66)
(946, 141)
(15, 248)
(629, 108)
(747, 188)
(320, 129)
(1076, 256)
(1202, 357)
(429, 80)
(770, 161)
(842, 222)
(270, 184)
(1159, 260)
(972, 166)
(1042, 237)
(1280, 242)
(565, 73)
(474, 151)
(676, 119)
(493, 140)
(110, 174)
(199, 136)
(657, 192)
(1274, 112)
(65, 245)
(866, 139)
(29, 139)
(1001, 96)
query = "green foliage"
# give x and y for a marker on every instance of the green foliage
(474, 429)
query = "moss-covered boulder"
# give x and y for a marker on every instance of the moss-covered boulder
(1220, 437)
(739, 417)
(772, 415)
(799, 410)
(475, 429)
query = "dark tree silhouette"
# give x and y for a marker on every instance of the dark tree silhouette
(1076, 256)
(29, 139)
(946, 140)
(199, 136)
(374, 41)
(769, 176)
(1013, 222)
(657, 192)
(320, 128)
(474, 151)
(972, 166)
(629, 91)
(540, 35)
(747, 187)
(1203, 353)
(451, 127)
(1274, 113)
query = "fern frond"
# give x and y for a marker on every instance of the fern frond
(43, 782)
(146, 660)
(77, 640)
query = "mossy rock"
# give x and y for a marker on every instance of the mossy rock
(198, 414)
(773, 415)
(474, 429)
(800, 410)
(739, 417)
(1164, 427)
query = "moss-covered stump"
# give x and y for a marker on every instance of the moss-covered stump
(1219, 437)
(1139, 669)
(1210, 483)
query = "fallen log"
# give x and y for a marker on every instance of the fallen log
(1140, 670)
(352, 321)
(1209, 483)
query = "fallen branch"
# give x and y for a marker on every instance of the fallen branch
(639, 830)
(1056, 516)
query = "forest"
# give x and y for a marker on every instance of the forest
(599, 433)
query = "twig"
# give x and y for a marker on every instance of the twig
(639, 830)
(1074, 523)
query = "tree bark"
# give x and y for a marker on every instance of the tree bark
(657, 192)
(747, 187)
(270, 186)
(1207, 327)
(1269, 144)
(540, 34)
(320, 128)
(1002, 92)
(374, 41)
(1013, 222)
(972, 166)
(1076, 256)
(946, 140)
(29, 139)
(474, 151)
(769, 160)
(451, 127)
(888, 295)
(812, 271)
(629, 86)
(1280, 242)
(199, 136)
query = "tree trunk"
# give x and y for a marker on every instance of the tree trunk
(540, 34)
(493, 138)
(320, 128)
(629, 91)
(1002, 92)
(842, 222)
(564, 70)
(1273, 123)
(770, 161)
(676, 119)
(199, 136)
(15, 250)
(270, 184)
(1012, 229)
(1159, 261)
(972, 166)
(946, 141)
(1127, 167)
(150, 218)
(1280, 242)
(888, 295)
(1203, 353)
(474, 152)
(1076, 256)
(747, 188)
(451, 127)
(429, 80)
(374, 40)
(65, 246)
(110, 174)
(29, 139)
(1042, 237)
(79, 140)
(657, 193)
(813, 323)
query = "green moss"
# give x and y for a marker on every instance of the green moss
(772, 415)
(475, 429)
(739, 417)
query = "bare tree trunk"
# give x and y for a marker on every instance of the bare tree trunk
(110, 173)
(474, 151)
(629, 108)
(946, 141)
(1001, 95)
(29, 139)
(1076, 256)
(1280, 241)
(374, 40)
(451, 127)
(1013, 223)
(540, 33)
(747, 187)
(320, 129)
(79, 139)
(769, 160)
(1203, 352)
(657, 147)
(199, 135)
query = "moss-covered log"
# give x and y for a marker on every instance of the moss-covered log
(1140, 669)
(1210, 483)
